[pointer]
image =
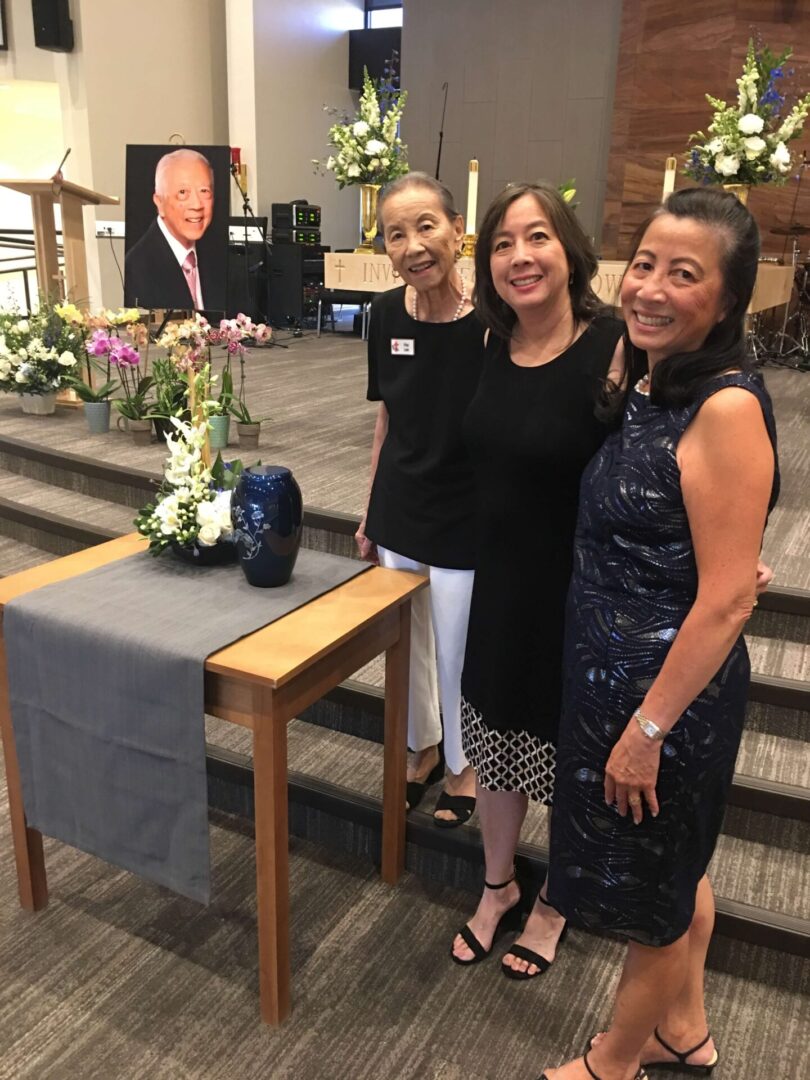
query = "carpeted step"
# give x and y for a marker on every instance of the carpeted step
(761, 861)
(84, 510)
(16, 556)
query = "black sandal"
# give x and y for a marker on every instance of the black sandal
(682, 1065)
(522, 953)
(462, 806)
(415, 789)
(510, 920)
(640, 1075)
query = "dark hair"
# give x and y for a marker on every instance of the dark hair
(494, 312)
(417, 179)
(677, 379)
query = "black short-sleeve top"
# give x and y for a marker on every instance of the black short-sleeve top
(422, 502)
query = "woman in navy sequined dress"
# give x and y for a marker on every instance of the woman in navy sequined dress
(672, 511)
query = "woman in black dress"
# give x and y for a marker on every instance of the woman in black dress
(425, 351)
(672, 511)
(531, 429)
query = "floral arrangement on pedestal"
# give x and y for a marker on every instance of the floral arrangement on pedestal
(38, 353)
(746, 143)
(367, 148)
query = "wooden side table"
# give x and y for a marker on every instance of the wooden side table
(262, 682)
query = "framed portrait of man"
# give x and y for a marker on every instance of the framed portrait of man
(176, 252)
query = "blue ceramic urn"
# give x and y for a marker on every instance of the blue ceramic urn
(267, 514)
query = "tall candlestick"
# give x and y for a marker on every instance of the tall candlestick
(472, 197)
(669, 178)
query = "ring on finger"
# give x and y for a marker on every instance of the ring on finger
(634, 800)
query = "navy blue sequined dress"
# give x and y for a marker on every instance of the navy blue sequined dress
(635, 579)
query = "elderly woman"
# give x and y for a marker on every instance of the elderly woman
(672, 512)
(424, 358)
(532, 429)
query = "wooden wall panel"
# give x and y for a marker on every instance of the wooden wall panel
(671, 53)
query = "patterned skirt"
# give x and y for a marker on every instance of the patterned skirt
(507, 760)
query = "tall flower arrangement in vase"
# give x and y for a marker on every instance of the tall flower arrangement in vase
(747, 142)
(367, 148)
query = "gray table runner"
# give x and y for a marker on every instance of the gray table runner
(106, 680)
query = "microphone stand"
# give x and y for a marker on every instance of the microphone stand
(445, 85)
(247, 210)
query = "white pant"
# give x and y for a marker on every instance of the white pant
(439, 617)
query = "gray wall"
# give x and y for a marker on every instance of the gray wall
(301, 55)
(531, 93)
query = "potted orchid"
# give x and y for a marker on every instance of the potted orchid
(38, 353)
(747, 142)
(232, 334)
(95, 393)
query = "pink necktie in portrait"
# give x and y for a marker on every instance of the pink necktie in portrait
(190, 269)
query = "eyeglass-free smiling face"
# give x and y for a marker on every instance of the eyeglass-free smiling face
(528, 263)
(420, 239)
(673, 292)
(186, 200)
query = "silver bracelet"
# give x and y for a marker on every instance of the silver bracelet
(650, 729)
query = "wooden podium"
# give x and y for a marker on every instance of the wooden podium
(71, 198)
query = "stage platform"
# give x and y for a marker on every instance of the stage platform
(321, 427)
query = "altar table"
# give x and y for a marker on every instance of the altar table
(262, 682)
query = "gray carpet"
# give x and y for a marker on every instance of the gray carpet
(120, 979)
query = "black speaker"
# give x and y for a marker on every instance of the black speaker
(53, 27)
(371, 49)
(294, 275)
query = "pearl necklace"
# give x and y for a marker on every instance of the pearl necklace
(643, 385)
(459, 309)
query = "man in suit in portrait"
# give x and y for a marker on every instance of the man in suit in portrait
(164, 269)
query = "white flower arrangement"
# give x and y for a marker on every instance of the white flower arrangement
(38, 353)
(368, 149)
(746, 143)
(193, 504)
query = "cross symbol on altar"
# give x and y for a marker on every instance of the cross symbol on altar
(340, 267)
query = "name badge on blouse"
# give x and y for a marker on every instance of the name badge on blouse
(402, 346)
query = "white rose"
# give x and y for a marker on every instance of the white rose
(727, 164)
(780, 158)
(751, 124)
(21, 377)
(353, 170)
(67, 359)
(374, 148)
(754, 146)
(360, 128)
(715, 146)
(208, 535)
(22, 326)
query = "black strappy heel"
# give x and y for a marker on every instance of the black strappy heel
(640, 1075)
(510, 920)
(522, 953)
(682, 1065)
